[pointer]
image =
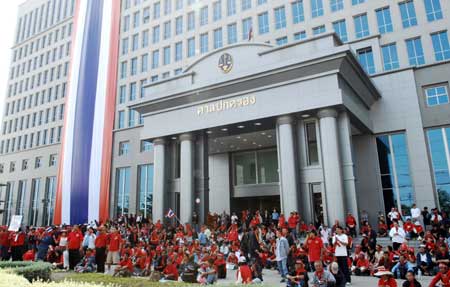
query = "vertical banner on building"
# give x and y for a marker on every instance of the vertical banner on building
(85, 158)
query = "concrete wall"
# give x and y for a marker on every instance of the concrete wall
(219, 183)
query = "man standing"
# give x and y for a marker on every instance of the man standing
(340, 242)
(415, 213)
(113, 247)
(315, 247)
(397, 234)
(100, 250)
(74, 240)
(281, 253)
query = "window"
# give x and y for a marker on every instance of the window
(143, 84)
(179, 4)
(300, 36)
(437, 95)
(126, 23)
(166, 59)
(394, 172)
(123, 190)
(191, 21)
(390, 57)
(144, 63)
(167, 6)
(408, 14)
(133, 91)
(246, 28)
(121, 120)
(24, 164)
(179, 25)
(356, 2)
(361, 26)
(433, 10)
(336, 5)
(218, 38)
(204, 43)
(415, 52)
(341, 30)
(178, 51)
(311, 143)
(167, 31)
(231, 7)
(123, 69)
(124, 147)
(146, 15)
(131, 118)
(217, 10)
(146, 145)
(133, 71)
(438, 146)
(232, 33)
(316, 8)
(263, 23)
(384, 20)
(280, 18)
(260, 2)
(441, 46)
(282, 41)
(319, 30)
(156, 31)
(246, 4)
(156, 10)
(365, 57)
(124, 46)
(258, 167)
(35, 202)
(38, 162)
(136, 19)
(52, 160)
(191, 47)
(145, 189)
(298, 14)
(155, 59)
(204, 16)
(21, 197)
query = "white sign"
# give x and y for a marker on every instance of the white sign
(16, 221)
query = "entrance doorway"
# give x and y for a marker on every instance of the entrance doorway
(260, 203)
(317, 203)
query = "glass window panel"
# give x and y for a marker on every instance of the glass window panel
(267, 166)
(245, 168)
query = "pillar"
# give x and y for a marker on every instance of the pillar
(186, 177)
(287, 164)
(345, 143)
(332, 167)
(159, 179)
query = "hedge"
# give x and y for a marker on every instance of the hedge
(32, 271)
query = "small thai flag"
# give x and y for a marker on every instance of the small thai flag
(49, 229)
(170, 213)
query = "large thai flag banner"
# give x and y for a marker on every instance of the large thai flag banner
(85, 159)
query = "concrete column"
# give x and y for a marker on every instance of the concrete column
(286, 164)
(332, 167)
(159, 179)
(186, 177)
(345, 144)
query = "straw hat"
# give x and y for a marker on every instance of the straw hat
(382, 271)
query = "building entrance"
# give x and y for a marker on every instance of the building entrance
(260, 203)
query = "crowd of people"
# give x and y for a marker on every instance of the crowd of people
(304, 254)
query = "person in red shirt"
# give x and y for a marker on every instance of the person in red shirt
(113, 246)
(29, 255)
(362, 266)
(125, 268)
(170, 271)
(100, 249)
(292, 223)
(4, 243)
(442, 278)
(387, 278)
(350, 222)
(244, 273)
(17, 245)
(315, 247)
(75, 240)
(220, 266)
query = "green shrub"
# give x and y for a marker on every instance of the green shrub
(30, 270)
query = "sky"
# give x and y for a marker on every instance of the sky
(8, 14)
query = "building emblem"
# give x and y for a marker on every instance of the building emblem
(225, 62)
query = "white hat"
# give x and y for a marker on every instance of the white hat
(242, 259)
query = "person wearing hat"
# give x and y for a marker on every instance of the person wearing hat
(386, 278)
(244, 273)
(299, 276)
(424, 260)
(442, 278)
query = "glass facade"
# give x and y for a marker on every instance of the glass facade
(22, 188)
(311, 143)
(438, 145)
(34, 204)
(145, 189)
(394, 172)
(256, 167)
(49, 200)
(123, 190)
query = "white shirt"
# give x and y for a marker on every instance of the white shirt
(340, 249)
(415, 212)
(397, 235)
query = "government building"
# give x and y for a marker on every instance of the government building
(140, 106)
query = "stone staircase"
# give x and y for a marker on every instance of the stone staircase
(385, 241)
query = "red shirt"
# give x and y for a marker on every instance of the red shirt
(444, 279)
(351, 221)
(114, 241)
(246, 274)
(390, 282)
(75, 240)
(100, 240)
(292, 222)
(171, 269)
(4, 238)
(315, 246)
(127, 263)
(18, 239)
